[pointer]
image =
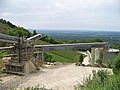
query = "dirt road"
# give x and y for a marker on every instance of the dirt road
(63, 78)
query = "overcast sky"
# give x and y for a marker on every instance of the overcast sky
(63, 14)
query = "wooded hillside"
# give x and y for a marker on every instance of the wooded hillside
(8, 28)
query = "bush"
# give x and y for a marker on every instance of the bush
(109, 63)
(48, 57)
(95, 82)
(81, 59)
(116, 65)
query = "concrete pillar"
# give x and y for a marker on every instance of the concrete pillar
(97, 54)
(29, 67)
(26, 68)
(93, 56)
(105, 53)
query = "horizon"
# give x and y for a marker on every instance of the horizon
(74, 30)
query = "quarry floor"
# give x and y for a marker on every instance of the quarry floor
(63, 77)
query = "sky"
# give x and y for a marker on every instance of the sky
(63, 14)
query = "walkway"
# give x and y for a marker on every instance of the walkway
(63, 78)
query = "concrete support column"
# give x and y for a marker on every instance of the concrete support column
(26, 68)
(93, 56)
(104, 55)
(29, 67)
(97, 54)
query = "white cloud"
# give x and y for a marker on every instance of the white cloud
(65, 14)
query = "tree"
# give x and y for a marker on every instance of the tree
(8, 28)
(34, 32)
(51, 40)
(96, 40)
(81, 59)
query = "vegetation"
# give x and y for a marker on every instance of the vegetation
(48, 57)
(2, 54)
(96, 82)
(65, 56)
(81, 59)
(116, 45)
(40, 42)
(85, 40)
(100, 60)
(101, 80)
(8, 28)
(58, 58)
(34, 32)
(51, 40)
(116, 66)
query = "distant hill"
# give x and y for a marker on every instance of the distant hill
(66, 35)
(8, 28)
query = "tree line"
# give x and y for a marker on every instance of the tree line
(8, 28)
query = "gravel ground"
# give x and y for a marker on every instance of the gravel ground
(63, 78)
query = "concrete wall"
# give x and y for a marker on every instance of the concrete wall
(55, 47)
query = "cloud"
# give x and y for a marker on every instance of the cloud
(63, 14)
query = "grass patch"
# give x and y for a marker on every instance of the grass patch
(58, 58)
(40, 42)
(2, 62)
(65, 56)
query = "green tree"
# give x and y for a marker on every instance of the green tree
(51, 40)
(10, 29)
(116, 45)
(96, 40)
(34, 32)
